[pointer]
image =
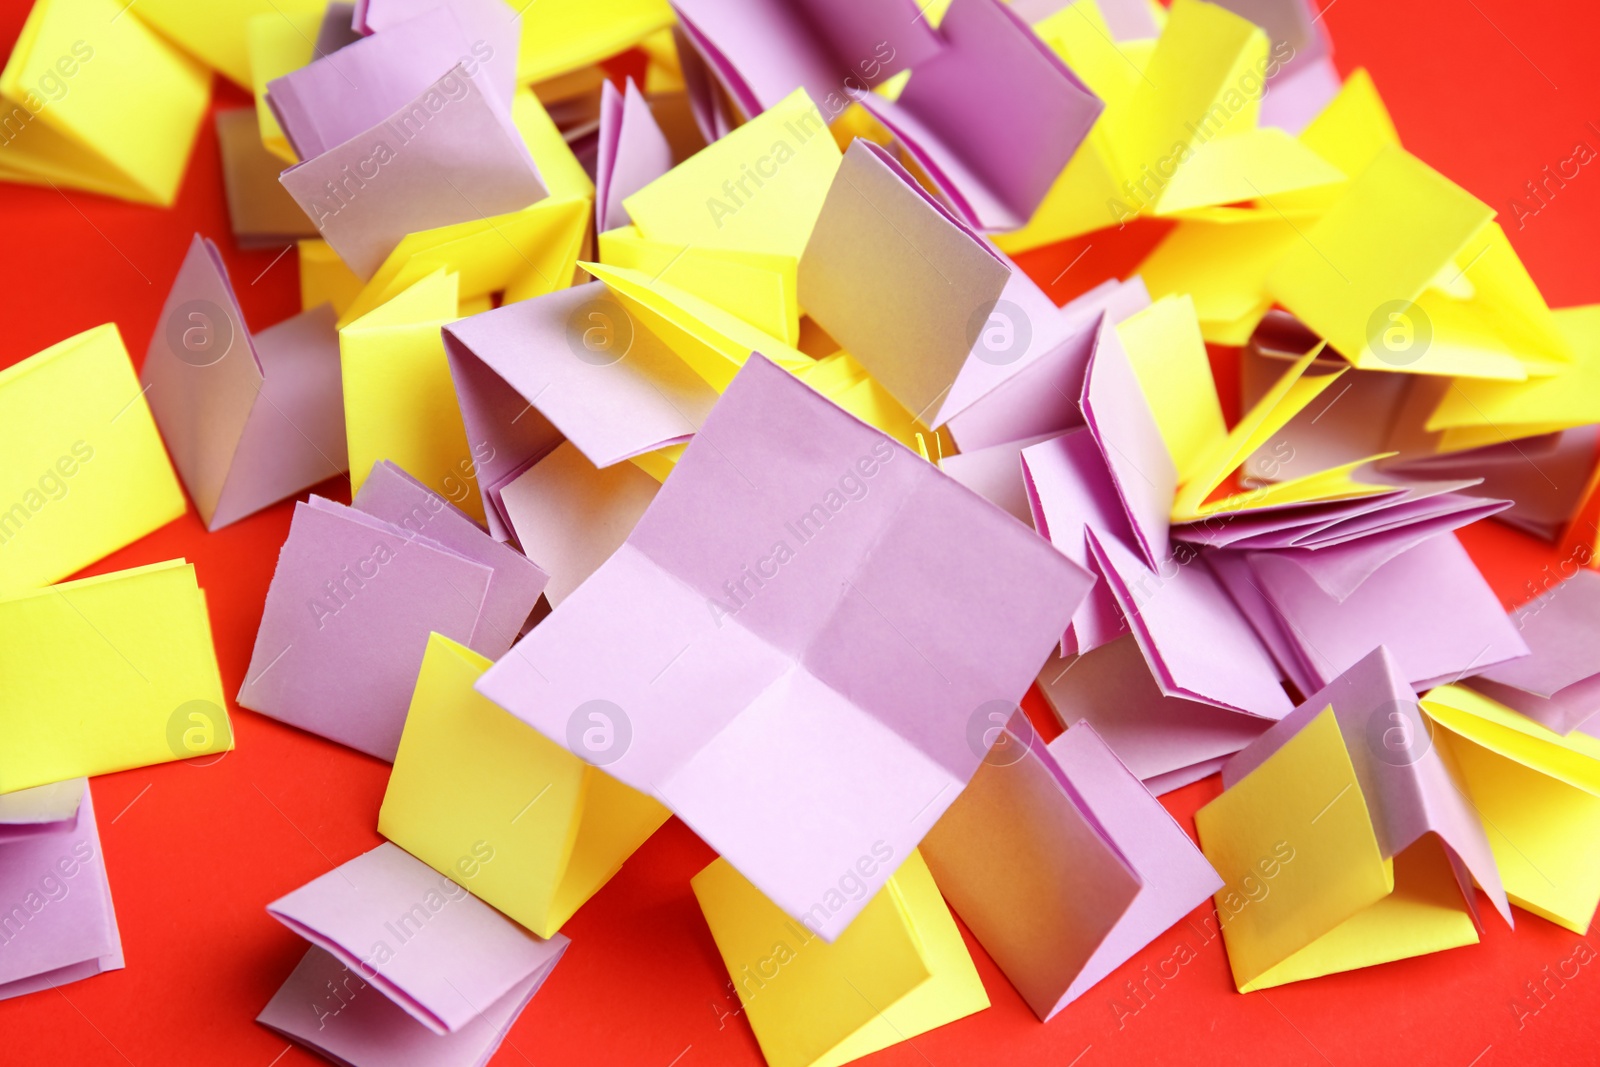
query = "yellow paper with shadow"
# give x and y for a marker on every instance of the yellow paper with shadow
(559, 169)
(399, 399)
(524, 253)
(759, 189)
(98, 101)
(276, 45)
(1408, 273)
(1306, 890)
(82, 468)
(216, 31)
(1222, 267)
(1169, 358)
(758, 287)
(324, 278)
(492, 804)
(1538, 793)
(899, 970)
(559, 36)
(108, 673)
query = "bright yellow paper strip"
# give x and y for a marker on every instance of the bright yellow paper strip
(491, 803)
(82, 468)
(399, 400)
(899, 970)
(108, 673)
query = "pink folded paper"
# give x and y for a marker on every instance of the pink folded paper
(354, 598)
(763, 50)
(248, 420)
(1406, 784)
(1558, 683)
(57, 924)
(342, 94)
(1428, 605)
(793, 645)
(995, 473)
(1431, 506)
(1167, 741)
(442, 956)
(993, 118)
(1063, 865)
(43, 809)
(613, 400)
(449, 154)
(633, 152)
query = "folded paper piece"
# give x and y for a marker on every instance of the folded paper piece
(59, 925)
(1307, 889)
(278, 43)
(450, 154)
(559, 36)
(633, 152)
(1428, 605)
(214, 33)
(327, 102)
(758, 189)
(1166, 741)
(848, 552)
(762, 51)
(901, 969)
(1536, 792)
(570, 516)
(249, 419)
(470, 777)
(399, 404)
(98, 102)
(354, 598)
(1416, 311)
(82, 470)
(1063, 865)
(261, 212)
(438, 953)
(107, 673)
(992, 118)
(43, 809)
(1556, 684)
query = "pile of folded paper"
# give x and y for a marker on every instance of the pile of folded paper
(709, 457)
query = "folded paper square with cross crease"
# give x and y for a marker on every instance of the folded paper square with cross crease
(1557, 684)
(82, 470)
(1343, 840)
(43, 809)
(899, 970)
(248, 419)
(56, 919)
(355, 595)
(467, 778)
(99, 102)
(57, 924)
(1062, 864)
(450, 154)
(1537, 791)
(453, 965)
(822, 646)
(107, 673)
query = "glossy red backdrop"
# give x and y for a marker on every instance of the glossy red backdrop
(1487, 91)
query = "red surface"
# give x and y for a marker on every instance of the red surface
(196, 852)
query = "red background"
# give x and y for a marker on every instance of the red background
(1487, 91)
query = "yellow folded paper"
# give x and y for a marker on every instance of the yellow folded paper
(82, 468)
(94, 99)
(899, 970)
(324, 278)
(1169, 357)
(562, 35)
(1538, 793)
(759, 189)
(760, 288)
(1223, 268)
(846, 382)
(215, 31)
(1407, 273)
(560, 170)
(399, 399)
(524, 253)
(541, 829)
(1306, 891)
(108, 673)
(276, 44)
